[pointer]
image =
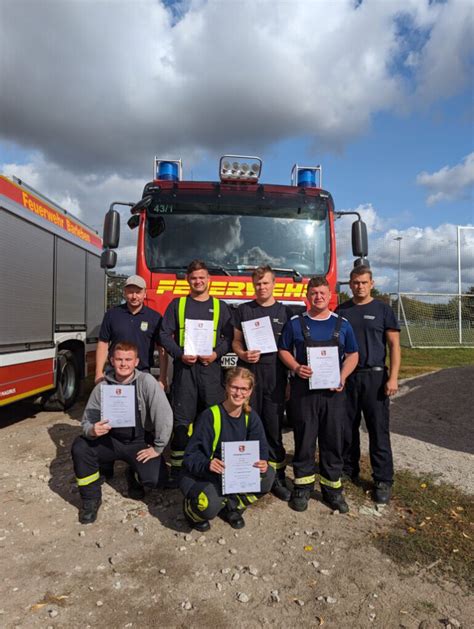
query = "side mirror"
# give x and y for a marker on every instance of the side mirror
(111, 237)
(360, 245)
(133, 221)
(361, 262)
(108, 259)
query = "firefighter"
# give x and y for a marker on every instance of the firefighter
(101, 444)
(268, 397)
(201, 484)
(318, 413)
(197, 380)
(371, 384)
(135, 323)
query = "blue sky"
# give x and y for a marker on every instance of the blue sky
(379, 93)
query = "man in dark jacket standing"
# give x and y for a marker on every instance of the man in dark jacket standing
(268, 397)
(370, 386)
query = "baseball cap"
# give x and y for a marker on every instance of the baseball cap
(135, 280)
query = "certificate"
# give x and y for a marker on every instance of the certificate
(324, 361)
(117, 405)
(198, 336)
(240, 475)
(258, 334)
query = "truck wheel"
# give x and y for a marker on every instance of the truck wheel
(67, 383)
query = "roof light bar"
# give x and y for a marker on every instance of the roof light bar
(305, 176)
(168, 169)
(240, 168)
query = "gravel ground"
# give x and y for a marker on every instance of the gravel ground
(140, 565)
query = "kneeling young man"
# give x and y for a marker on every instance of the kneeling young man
(103, 444)
(201, 484)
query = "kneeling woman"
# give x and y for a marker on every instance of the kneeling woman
(233, 420)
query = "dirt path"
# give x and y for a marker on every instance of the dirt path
(140, 565)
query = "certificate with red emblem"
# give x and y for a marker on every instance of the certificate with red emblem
(240, 474)
(117, 405)
(258, 334)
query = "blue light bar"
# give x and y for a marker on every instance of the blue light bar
(167, 171)
(307, 178)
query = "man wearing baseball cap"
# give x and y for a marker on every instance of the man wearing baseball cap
(132, 322)
(135, 323)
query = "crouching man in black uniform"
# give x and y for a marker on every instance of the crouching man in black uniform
(318, 414)
(201, 484)
(101, 443)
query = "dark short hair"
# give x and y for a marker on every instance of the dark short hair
(317, 280)
(260, 271)
(196, 265)
(124, 346)
(361, 270)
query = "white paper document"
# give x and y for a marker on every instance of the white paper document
(198, 336)
(324, 361)
(117, 405)
(258, 334)
(240, 476)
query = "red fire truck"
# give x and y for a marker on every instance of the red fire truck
(235, 224)
(52, 300)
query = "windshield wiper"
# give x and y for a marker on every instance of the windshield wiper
(248, 267)
(211, 266)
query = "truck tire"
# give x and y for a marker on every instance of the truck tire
(67, 383)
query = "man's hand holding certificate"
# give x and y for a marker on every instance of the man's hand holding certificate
(259, 336)
(118, 405)
(324, 362)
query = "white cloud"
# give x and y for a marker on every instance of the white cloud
(101, 90)
(428, 256)
(444, 64)
(449, 183)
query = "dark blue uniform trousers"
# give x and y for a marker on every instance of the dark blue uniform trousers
(365, 394)
(89, 454)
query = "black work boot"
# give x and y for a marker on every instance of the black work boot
(280, 490)
(382, 492)
(233, 517)
(88, 510)
(336, 501)
(299, 498)
(136, 491)
(202, 527)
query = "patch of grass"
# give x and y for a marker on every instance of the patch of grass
(426, 606)
(434, 527)
(418, 361)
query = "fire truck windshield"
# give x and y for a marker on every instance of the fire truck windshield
(237, 232)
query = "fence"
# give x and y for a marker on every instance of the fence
(115, 284)
(435, 320)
